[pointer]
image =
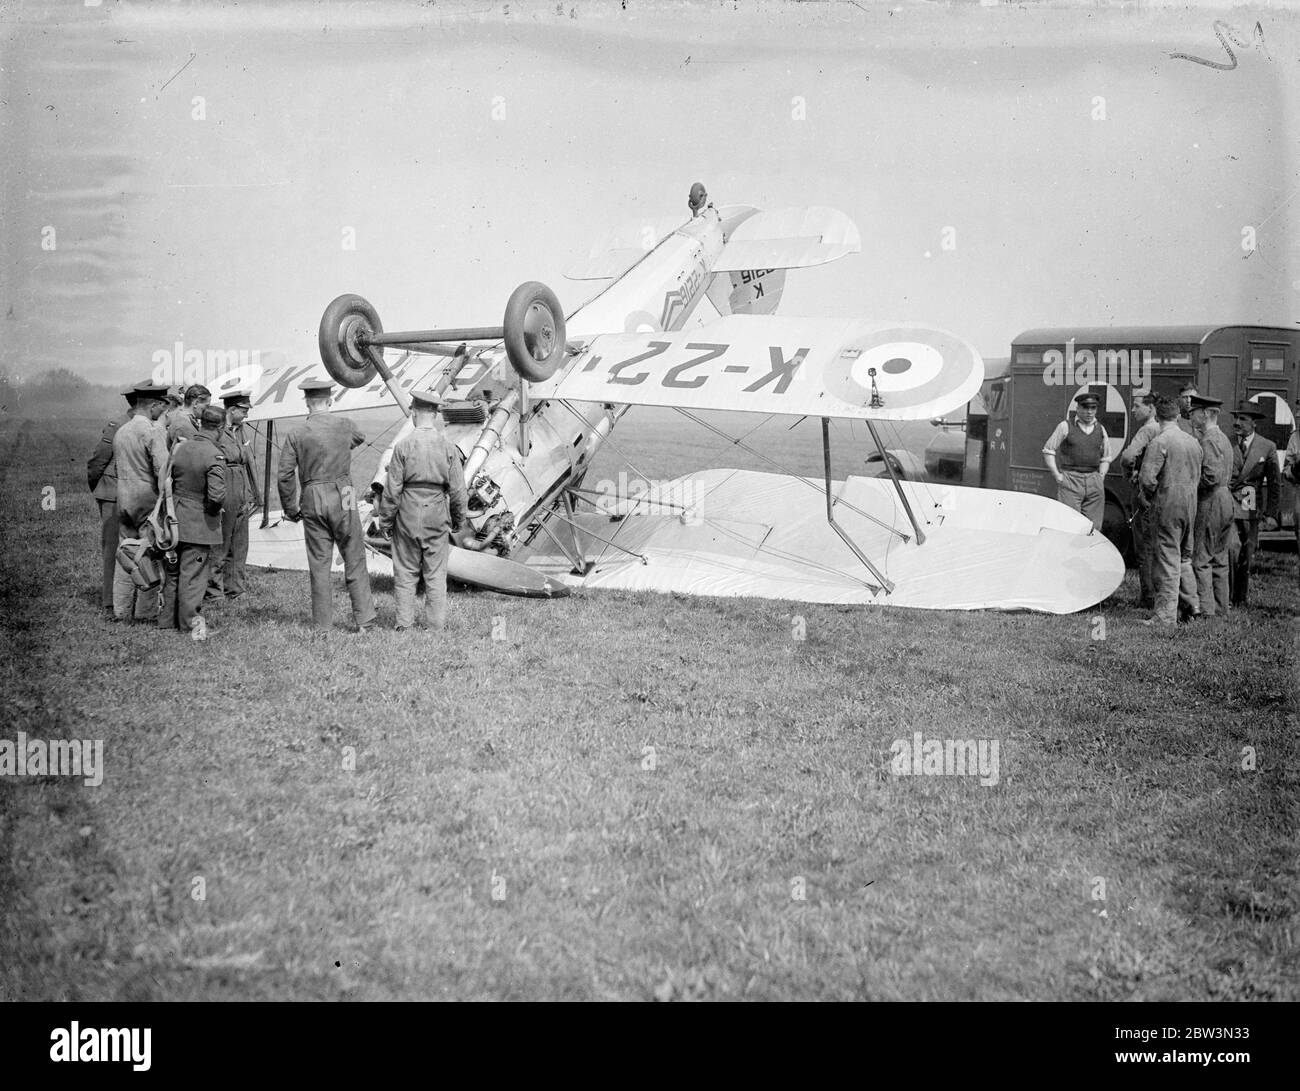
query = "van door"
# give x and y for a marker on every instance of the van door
(1222, 380)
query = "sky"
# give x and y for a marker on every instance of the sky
(214, 174)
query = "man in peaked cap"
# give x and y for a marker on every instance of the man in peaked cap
(140, 457)
(1075, 454)
(101, 476)
(1213, 529)
(424, 497)
(1130, 460)
(319, 453)
(198, 477)
(1171, 469)
(1255, 493)
(229, 559)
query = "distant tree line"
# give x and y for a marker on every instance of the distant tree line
(59, 392)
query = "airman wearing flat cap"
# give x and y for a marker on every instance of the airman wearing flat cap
(1075, 454)
(1255, 493)
(1130, 461)
(139, 456)
(198, 479)
(228, 579)
(423, 500)
(319, 454)
(1212, 532)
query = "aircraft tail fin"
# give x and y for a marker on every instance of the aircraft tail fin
(747, 291)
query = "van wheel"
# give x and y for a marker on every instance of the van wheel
(1115, 525)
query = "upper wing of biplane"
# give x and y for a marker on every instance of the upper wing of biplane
(820, 367)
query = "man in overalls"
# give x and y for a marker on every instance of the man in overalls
(424, 498)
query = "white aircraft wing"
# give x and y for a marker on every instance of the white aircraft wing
(737, 532)
(276, 394)
(789, 238)
(819, 367)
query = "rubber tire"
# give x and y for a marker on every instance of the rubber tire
(349, 366)
(517, 338)
(1115, 525)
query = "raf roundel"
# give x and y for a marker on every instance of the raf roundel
(900, 368)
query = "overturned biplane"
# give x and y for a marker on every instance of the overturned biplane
(528, 403)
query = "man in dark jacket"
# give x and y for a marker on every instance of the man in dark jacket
(1255, 493)
(320, 454)
(229, 559)
(198, 480)
(101, 476)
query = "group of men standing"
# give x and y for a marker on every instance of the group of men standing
(175, 454)
(422, 502)
(1199, 497)
(198, 456)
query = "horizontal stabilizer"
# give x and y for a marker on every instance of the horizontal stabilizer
(823, 367)
(789, 238)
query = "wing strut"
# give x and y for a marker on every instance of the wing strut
(266, 476)
(886, 584)
(907, 507)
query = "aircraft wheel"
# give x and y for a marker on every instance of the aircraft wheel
(347, 361)
(534, 332)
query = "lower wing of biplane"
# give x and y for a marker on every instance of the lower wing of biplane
(738, 532)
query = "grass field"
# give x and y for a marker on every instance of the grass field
(618, 796)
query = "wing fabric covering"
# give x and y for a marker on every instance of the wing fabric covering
(766, 536)
(824, 367)
(789, 238)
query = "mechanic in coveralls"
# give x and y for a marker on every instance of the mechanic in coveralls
(1171, 471)
(1213, 508)
(423, 499)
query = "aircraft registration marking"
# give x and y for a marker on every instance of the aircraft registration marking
(621, 372)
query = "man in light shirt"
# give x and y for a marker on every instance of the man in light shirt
(1075, 454)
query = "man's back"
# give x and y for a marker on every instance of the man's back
(199, 487)
(139, 452)
(1172, 462)
(323, 448)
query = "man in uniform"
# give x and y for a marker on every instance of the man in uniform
(140, 456)
(1130, 460)
(1291, 471)
(320, 453)
(423, 495)
(1213, 508)
(1255, 491)
(183, 424)
(101, 476)
(198, 476)
(1075, 453)
(1171, 470)
(1185, 397)
(229, 559)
